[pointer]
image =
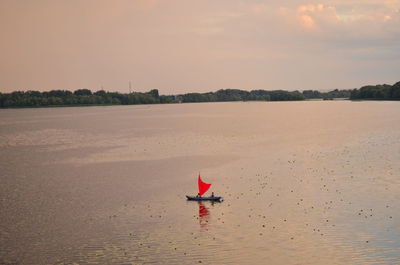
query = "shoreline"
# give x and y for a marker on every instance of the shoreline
(172, 103)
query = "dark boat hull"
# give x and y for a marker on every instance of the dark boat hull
(195, 198)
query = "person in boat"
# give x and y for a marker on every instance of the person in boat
(198, 195)
(212, 194)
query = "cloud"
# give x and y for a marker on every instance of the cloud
(345, 25)
(307, 21)
(322, 16)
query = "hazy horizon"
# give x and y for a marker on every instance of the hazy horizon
(181, 46)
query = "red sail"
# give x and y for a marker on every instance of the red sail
(203, 187)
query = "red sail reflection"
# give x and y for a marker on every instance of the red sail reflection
(204, 214)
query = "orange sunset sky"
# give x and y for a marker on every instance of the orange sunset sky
(182, 46)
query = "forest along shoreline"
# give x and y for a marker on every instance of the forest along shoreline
(85, 97)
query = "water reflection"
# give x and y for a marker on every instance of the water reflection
(299, 191)
(204, 215)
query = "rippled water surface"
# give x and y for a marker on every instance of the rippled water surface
(303, 182)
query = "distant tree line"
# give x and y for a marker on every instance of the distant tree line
(101, 97)
(314, 94)
(242, 95)
(382, 92)
(79, 97)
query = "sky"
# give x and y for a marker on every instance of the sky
(180, 46)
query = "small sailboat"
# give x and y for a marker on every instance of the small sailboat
(203, 188)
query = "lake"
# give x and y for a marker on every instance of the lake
(313, 182)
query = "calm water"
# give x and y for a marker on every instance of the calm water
(303, 182)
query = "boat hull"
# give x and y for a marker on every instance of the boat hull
(195, 198)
